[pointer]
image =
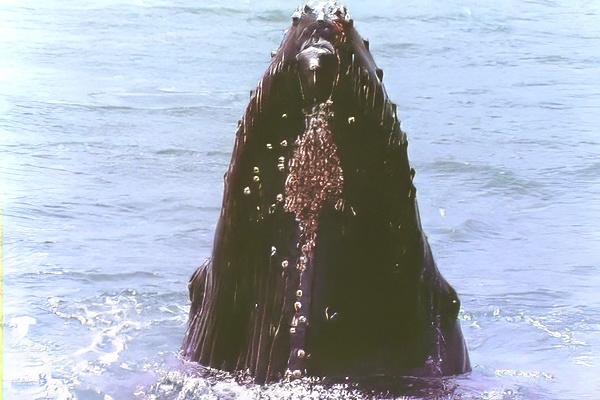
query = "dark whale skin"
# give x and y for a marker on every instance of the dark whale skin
(320, 266)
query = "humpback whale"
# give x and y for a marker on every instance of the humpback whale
(320, 266)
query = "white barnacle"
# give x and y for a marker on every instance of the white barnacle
(297, 306)
(285, 263)
(327, 316)
(299, 293)
(246, 191)
(283, 143)
(321, 16)
(351, 120)
(269, 146)
(296, 16)
(256, 178)
(256, 170)
(279, 198)
(281, 163)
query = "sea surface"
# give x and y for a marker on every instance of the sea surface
(117, 119)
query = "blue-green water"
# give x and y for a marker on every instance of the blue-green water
(117, 119)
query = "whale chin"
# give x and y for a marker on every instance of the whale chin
(317, 66)
(320, 265)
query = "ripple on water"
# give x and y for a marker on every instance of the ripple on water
(110, 334)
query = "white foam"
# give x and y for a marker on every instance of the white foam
(20, 326)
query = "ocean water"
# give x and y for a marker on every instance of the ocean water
(117, 120)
